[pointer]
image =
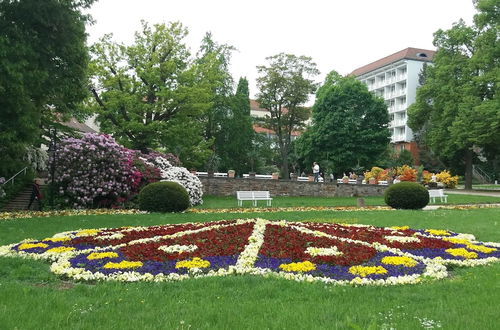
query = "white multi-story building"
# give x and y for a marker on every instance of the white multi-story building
(395, 79)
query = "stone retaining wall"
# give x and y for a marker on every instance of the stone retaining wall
(229, 186)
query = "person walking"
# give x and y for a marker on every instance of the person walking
(315, 169)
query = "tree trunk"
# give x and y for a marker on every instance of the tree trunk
(468, 169)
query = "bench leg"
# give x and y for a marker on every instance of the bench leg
(255, 203)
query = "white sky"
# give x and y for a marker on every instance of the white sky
(339, 35)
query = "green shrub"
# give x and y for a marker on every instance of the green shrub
(165, 196)
(407, 195)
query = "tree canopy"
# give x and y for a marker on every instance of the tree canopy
(285, 85)
(150, 94)
(43, 63)
(350, 126)
(456, 113)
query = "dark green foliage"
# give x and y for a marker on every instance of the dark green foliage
(43, 62)
(350, 126)
(406, 195)
(456, 112)
(163, 196)
(234, 141)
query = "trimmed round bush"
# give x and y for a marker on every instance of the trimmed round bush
(164, 196)
(407, 195)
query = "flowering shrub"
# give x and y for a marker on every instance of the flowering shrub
(301, 251)
(373, 173)
(406, 173)
(180, 175)
(94, 171)
(426, 177)
(446, 178)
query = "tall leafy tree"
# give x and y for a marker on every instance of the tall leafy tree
(350, 126)
(149, 94)
(456, 112)
(285, 85)
(43, 62)
(236, 134)
(213, 73)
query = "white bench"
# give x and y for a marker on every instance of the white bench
(435, 193)
(351, 181)
(253, 196)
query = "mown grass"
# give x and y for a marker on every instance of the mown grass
(33, 298)
(289, 201)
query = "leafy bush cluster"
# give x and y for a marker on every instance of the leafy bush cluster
(95, 171)
(406, 173)
(406, 195)
(444, 177)
(165, 196)
(180, 175)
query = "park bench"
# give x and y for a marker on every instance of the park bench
(253, 196)
(435, 193)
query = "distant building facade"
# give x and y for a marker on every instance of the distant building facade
(259, 113)
(395, 79)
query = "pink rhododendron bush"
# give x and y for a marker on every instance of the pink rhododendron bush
(95, 171)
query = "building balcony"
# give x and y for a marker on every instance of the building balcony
(397, 122)
(398, 138)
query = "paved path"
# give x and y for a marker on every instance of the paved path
(491, 193)
(436, 207)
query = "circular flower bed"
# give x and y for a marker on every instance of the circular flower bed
(302, 251)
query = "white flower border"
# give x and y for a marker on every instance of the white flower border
(434, 268)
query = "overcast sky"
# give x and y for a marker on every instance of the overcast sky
(339, 35)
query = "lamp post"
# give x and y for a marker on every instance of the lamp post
(52, 154)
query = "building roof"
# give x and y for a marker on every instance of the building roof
(416, 54)
(81, 127)
(255, 106)
(260, 129)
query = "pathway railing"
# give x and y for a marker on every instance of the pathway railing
(11, 180)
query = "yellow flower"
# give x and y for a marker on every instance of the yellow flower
(364, 271)
(456, 240)
(123, 264)
(400, 227)
(304, 266)
(195, 263)
(26, 246)
(470, 246)
(102, 255)
(480, 248)
(438, 232)
(87, 232)
(405, 261)
(56, 239)
(461, 252)
(60, 249)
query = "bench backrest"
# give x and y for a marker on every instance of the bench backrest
(436, 193)
(261, 194)
(253, 194)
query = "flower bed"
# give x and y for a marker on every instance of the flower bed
(302, 251)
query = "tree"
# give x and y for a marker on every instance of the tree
(213, 73)
(284, 87)
(149, 94)
(350, 126)
(236, 134)
(456, 110)
(43, 62)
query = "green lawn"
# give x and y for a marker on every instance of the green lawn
(33, 298)
(288, 201)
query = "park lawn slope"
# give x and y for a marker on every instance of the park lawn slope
(32, 297)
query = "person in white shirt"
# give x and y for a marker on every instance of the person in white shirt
(315, 169)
